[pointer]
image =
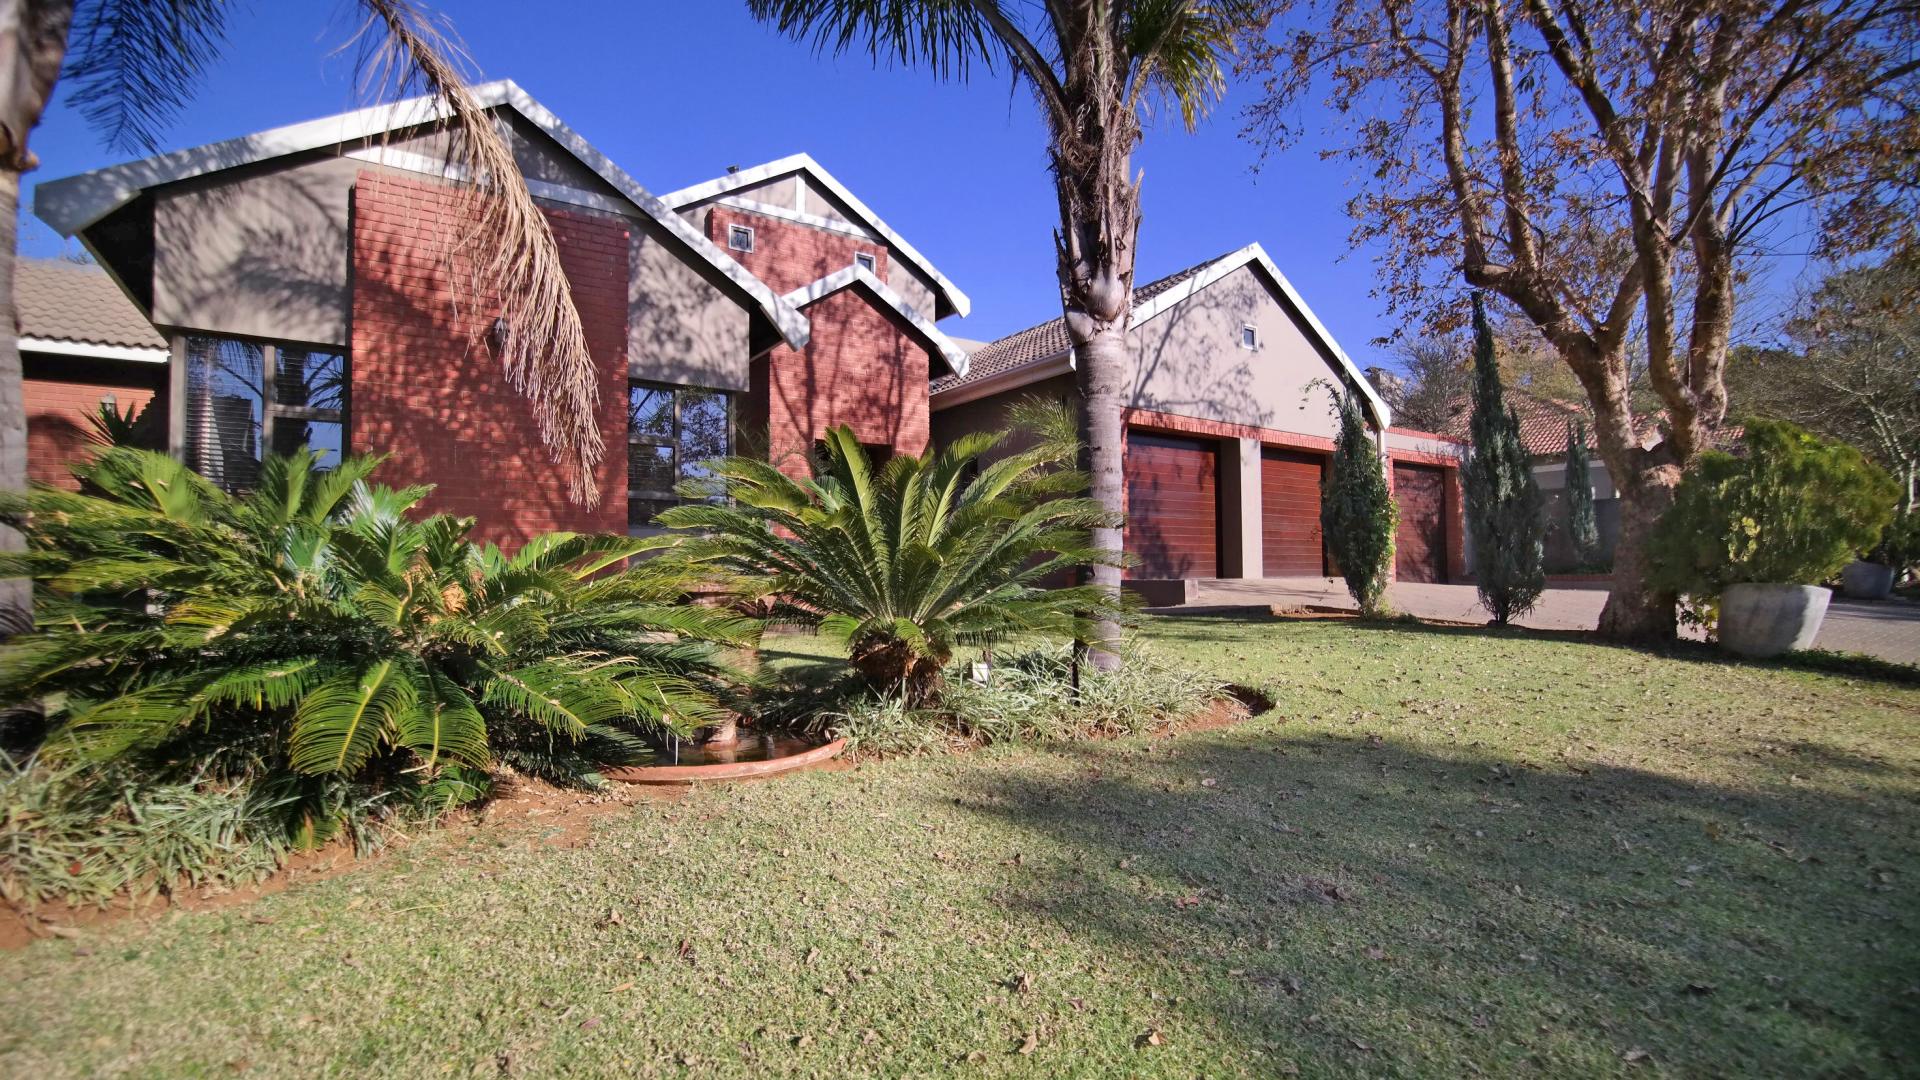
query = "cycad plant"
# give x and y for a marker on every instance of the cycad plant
(906, 562)
(316, 629)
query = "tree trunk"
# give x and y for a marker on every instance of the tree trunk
(1636, 610)
(33, 42)
(1101, 374)
(16, 594)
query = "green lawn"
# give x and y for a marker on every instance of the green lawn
(1443, 852)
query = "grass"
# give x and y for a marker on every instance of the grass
(1443, 852)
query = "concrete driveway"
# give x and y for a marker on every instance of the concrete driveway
(1888, 629)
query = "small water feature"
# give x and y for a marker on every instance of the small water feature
(680, 761)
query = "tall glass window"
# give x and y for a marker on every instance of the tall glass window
(672, 431)
(246, 398)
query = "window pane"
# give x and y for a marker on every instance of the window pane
(650, 411)
(650, 468)
(641, 512)
(225, 383)
(323, 436)
(704, 431)
(310, 379)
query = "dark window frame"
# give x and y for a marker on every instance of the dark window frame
(735, 232)
(271, 410)
(671, 440)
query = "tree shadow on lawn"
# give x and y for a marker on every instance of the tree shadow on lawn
(1354, 905)
(1204, 628)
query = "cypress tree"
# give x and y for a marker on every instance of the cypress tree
(1583, 527)
(1356, 509)
(1504, 507)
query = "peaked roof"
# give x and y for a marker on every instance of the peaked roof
(797, 163)
(1029, 351)
(77, 309)
(860, 276)
(73, 203)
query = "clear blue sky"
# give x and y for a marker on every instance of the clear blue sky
(676, 92)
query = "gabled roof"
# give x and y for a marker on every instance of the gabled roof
(798, 163)
(1045, 350)
(73, 203)
(79, 311)
(859, 276)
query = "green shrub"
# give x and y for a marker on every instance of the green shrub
(1899, 545)
(1504, 511)
(1357, 511)
(1790, 509)
(313, 633)
(1029, 697)
(1583, 523)
(908, 562)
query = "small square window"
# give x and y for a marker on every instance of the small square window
(740, 238)
(864, 261)
(1249, 337)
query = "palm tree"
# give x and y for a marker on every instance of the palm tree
(1095, 67)
(318, 623)
(135, 64)
(904, 563)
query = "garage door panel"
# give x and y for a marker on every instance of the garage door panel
(1173, 506)
(1291, 542)
(1421, 540)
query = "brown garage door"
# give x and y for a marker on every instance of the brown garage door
(1422, 540)
(1290, 544)
(1173, 506)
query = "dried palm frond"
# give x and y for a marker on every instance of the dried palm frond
(507, 244)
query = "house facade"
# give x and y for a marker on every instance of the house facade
(303, 286)
(1229, 430)
(306, 286)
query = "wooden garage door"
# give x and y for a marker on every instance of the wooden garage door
(1422, 540)
(1173, 506)
(1290, 537)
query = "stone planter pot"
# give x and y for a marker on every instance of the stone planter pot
(1863, 580)
(1767, 620)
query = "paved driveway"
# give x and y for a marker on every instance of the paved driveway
(1888, 629)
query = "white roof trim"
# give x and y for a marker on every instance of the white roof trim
(75, 202)
(1036, 370)
(804, 163)
(846, 228)
(955, 356)
(94, 351)
(1011, 379)
(1255, 254)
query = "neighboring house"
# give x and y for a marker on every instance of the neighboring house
(300, 281)
(1543, 430)
(1228, 437)
(83, 344)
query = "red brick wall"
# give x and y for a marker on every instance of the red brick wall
(786, 254)
(863, 368)
(427, 388)
(62, 393)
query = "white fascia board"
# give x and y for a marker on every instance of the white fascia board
(856, 274)
(1011, 379)
(1254, 254)
(73, 203)
(95, 351)
(721, 185)
(802, 217)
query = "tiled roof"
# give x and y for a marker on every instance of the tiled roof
(70, 302)
(1049, 339)
(1543, 424)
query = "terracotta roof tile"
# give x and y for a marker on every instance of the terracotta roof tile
(70, 302)
(1049, 339)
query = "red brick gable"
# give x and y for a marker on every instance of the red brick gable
(427, 390)
(788, 255)
(865, 368)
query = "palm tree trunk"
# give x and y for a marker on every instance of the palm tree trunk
(33, 43)
(1101, 374)
(16, 594)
